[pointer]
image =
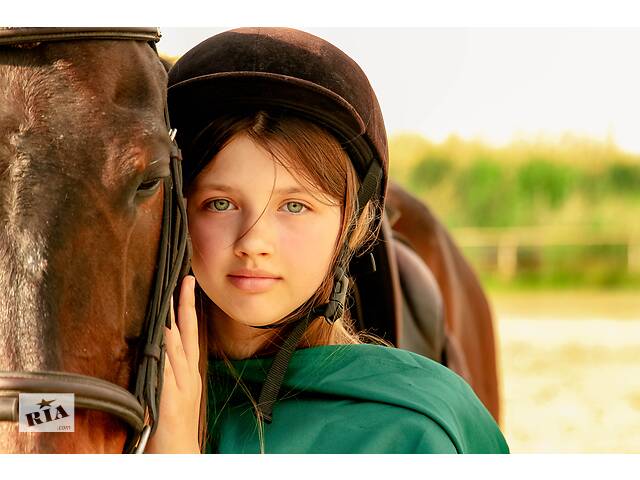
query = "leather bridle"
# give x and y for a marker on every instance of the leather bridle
(139, 410)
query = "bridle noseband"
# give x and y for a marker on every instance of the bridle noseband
(139, 410)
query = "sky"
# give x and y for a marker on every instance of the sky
(495, 84)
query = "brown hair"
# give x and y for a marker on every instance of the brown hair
(311, 154)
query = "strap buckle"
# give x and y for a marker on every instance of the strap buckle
(144, 438)
(335, 307)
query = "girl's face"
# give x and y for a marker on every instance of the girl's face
(262, 240)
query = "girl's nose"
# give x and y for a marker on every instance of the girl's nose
(256, 238)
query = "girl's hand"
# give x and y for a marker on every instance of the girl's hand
(177, 430)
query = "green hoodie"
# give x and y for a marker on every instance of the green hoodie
(351, 399)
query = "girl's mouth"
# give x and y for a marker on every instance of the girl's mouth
(253, 284)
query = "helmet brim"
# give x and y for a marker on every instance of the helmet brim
(192, 103)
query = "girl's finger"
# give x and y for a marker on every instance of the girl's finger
(188, 321)
(175, 362)
(169, 381)
(175, 350)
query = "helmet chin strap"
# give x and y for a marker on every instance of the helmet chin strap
(331, 311)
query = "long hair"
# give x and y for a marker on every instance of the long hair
(311, 154)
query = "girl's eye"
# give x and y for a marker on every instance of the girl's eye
(294, 207)
(220, 204)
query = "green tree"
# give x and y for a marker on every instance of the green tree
(540, 179)
(487, 194)
(429, 171)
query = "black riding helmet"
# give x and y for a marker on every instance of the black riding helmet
(298, 73)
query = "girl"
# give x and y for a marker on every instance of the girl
(285, 169)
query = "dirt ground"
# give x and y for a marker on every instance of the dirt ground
(570, 368)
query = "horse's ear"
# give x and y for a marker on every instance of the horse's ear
(167, 62)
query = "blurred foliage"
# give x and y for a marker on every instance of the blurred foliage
(571, 180)
(539, 180)
(429, 171)
(568, 181)
(487, 192)
(559, 267)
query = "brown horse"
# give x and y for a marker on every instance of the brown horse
(85, 157)
(424, 296)
(468, 340)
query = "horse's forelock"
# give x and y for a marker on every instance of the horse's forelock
(91, 86)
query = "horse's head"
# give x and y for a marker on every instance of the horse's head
(83, 144)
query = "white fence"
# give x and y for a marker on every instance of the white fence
(507, 242)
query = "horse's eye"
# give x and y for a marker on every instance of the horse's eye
(149, 187)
